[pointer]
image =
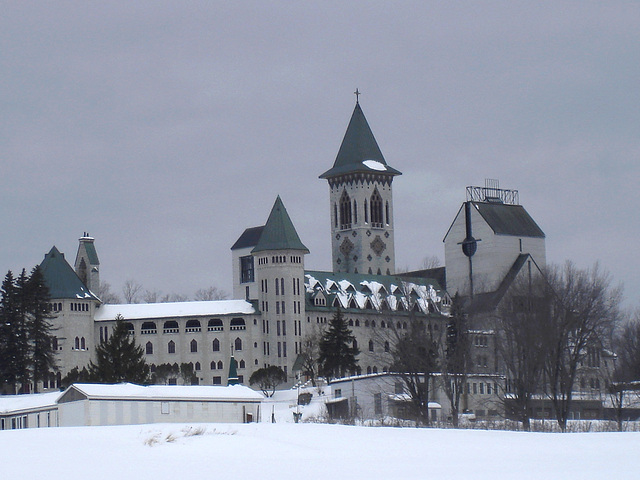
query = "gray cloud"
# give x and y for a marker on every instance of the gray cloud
(165, 129)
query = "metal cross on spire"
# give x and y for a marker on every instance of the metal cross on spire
(357, 94)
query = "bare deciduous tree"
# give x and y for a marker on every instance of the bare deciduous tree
(131, 291)
(583, 311)
(455, 356)
(105, 294)
(210, 293)
(520, 343)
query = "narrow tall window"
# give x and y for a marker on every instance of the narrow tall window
(171, 347)
(355, 212)
(246, 269)
(216, 345)
(149, 348)
(366, 213)
(376, 209)
(238, 344)
(335, 215)
(386, 212)
(194, 346)
(345, 211)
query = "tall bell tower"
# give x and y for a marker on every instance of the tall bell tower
(361, 203)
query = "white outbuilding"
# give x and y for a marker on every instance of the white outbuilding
(129, 404)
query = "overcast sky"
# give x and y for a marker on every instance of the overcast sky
(164, 129)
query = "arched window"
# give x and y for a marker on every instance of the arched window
(193, 326)
(216, 345)
(198, 367)
(238, 344)
(366, 213)
(130, 328)
(149, 348)
(350, 322)
(375, 369)
(386, 212)
(148, 328)
(355, 212)
(241, 364)
(369, 370)
(171, 347)
(335, 215)
(354, 344)
(366, 323)
(171, 326)
(194, 346)
(83, 345)
(382, 324)
(214, 325)
(238, 324)
(220, 366)
(371, 345)
(376, 209)
(345, 210)
(357, 323)
(386, 347)
(77, 343)
(373, 323)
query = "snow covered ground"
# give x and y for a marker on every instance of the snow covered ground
(299, 451)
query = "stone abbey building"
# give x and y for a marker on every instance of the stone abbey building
(277, 302)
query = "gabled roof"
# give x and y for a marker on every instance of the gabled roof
(361, 291)
(61, 279)
(359, 151)
(505, 219)
(279, 232)
(130, 391)
(485, 302)
(249, 238)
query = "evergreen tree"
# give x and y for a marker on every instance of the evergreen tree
(39, 327)
(268, 379)
(8, 328)
(337, 353)
(20, 329)
(119, 358)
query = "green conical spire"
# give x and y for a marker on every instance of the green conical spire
(279, 232)
(358, 146)
(233, 372)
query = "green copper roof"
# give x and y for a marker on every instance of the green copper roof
(91, 250)
(62, 279)
(359, 152)
(279, 232)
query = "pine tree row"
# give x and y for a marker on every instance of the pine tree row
(26, 341)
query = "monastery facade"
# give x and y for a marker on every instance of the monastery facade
(278, 303)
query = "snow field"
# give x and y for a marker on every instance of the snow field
(294, 451)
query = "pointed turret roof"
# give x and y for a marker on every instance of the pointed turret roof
(61, 279)
(232, 378)
(359, 151)
(279, 232)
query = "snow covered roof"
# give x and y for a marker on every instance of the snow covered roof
(373, 292)
(18, 403)
(173, 309)
(130, 391)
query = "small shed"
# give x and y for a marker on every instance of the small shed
(28, 411)
(130, 404)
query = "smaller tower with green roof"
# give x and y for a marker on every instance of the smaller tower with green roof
(279, 275)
